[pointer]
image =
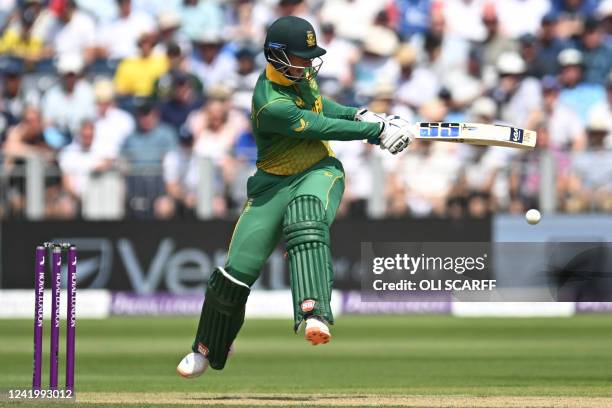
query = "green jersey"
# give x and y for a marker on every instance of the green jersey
(292, 124)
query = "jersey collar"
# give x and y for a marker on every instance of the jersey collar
(276, 77)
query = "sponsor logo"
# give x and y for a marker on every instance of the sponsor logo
(303, 125)
(308, 305)
(202, 349)
(439, 129)
(516, 135)
(311, 40)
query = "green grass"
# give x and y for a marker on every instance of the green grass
(407, 355)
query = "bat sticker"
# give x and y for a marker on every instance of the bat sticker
(516, 135)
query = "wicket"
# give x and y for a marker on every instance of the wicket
(39, 287)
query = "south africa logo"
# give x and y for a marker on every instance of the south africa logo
(311, 41)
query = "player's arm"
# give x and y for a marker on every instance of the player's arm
(282, 116)
(333, 109)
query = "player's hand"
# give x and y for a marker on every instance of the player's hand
(364, 115)
(396, 134)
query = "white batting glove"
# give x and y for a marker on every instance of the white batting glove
(396, 135)
(364, 115)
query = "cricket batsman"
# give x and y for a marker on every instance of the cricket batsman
(293, 195)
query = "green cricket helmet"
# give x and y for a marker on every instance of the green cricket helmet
(295, 36)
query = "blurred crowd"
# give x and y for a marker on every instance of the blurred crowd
(148, 87)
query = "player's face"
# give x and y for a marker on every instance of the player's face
(298, 62)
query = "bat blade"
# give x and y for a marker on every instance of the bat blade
(477, 134)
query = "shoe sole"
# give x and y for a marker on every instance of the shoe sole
(317, 336)
(185, 375)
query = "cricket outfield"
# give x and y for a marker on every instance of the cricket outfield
(418, 361)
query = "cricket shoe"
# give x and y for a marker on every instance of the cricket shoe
(192, 365)
(317, 331)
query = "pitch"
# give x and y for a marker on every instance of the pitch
(420, 361)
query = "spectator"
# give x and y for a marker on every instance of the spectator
(578, 95)
(604, 108)
(300, 9)
(25, 140)
(336, 73)
(418, 84)
(72, 32)
(78, 162)
(103, 12)
(356, 159)
(382, 100)
(412, 16)
(529, 52)
(111, 124)
(67, 103)
(458, 97)
(182, 102)
(181, 176)
(484, 175)
(136, 76)
(434, 173)
(245, 148)
(248, 21)
(216, 126)
(427, 176)
(19, 39)
(518, 17)
(495, 42)
(119, 38)
(483, 110)
(516, 96)
(209, 63)
(6, 9)
(572, 14)
(177, 65)
(599, 128)
(591, 175)
(144, 150)
(538, 64)
(246, 78)
(350, 17)
(563, 125)
(445, 54)
(475, 77)
(16, 96)
(549, 45)
(596, 54)
(464, 18)
(168, 34)
(199, 17)
(151, 139)
(604, 12)
(479, 204)
(376, 62)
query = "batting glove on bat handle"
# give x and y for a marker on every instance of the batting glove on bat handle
(364, 115)
(397, 135)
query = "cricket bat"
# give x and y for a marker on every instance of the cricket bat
(476, 133)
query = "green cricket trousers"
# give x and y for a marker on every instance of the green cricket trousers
(260, 226)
